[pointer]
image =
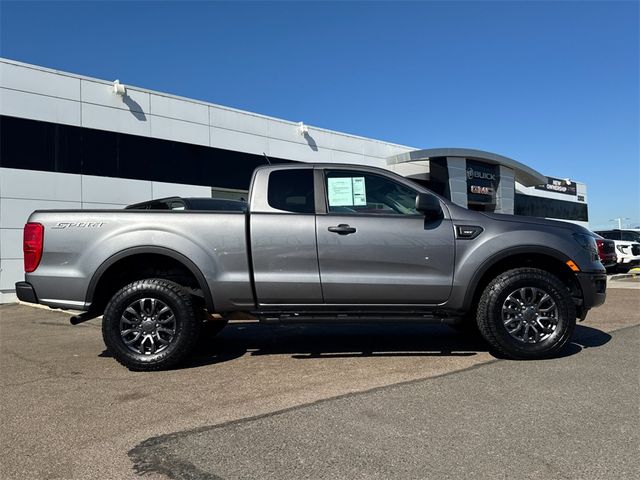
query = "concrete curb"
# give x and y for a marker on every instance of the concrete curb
(621, 276)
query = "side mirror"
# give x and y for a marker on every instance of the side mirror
(429, 205)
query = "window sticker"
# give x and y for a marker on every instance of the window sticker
(359, 193)
(346, 191)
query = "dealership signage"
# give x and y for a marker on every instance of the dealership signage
(482, 180)
(481, 190)
(483, 175)
(559, 186)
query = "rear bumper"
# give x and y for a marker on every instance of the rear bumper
(26, 293)
(594, 289)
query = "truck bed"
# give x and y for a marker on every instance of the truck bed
(78, 242)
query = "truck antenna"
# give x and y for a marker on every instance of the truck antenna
(265, 156)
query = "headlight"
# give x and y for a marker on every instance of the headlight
(622, 249)
(587, 242)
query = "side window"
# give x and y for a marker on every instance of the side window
(630, 236)
(157, 206)
(358, 192)
(291, 190)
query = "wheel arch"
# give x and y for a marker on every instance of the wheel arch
(544, 258)
(138, 252)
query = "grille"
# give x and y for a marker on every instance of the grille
(635, 248)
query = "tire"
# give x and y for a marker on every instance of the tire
(514, 326)
(150, 325)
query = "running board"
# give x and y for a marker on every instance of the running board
(355, 317)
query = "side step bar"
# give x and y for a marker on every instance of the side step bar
(355, 317)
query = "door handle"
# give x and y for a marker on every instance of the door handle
(342, 229)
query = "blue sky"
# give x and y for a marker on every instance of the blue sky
(552, 84)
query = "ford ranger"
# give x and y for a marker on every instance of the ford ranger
(317, 243)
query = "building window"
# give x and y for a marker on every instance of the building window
(50, 147)
(550, 208)
(482, 182)
(292, 190)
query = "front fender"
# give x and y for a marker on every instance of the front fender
(474, 258)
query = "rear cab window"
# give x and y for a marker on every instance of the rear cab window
(291, 190)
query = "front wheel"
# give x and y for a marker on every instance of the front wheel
(526, 313)
(150, 325)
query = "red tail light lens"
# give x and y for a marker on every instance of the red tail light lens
(600, 244)
(32, 245)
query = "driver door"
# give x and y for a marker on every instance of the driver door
(375, 248)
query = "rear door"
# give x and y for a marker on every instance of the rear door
(283, 238)
(375, 248)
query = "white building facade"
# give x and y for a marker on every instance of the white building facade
(70, 142)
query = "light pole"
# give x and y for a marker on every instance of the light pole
(619, 220)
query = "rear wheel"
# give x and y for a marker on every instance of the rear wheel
(150, 325)
(526, 313)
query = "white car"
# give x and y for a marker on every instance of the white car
(627, 247)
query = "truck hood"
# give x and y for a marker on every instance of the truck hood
(536, 221)
(462, 214)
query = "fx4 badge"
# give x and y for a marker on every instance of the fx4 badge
(61, 225)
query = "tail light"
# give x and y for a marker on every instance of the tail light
(600, 244)
(32, 245)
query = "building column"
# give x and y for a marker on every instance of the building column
(457, 171)
(505, 193)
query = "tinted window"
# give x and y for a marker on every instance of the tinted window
(35, 145)
(99, 153)
(216, 204)
(51, 147)
(610, 234)
(358, 192)
(630, 236)
(550, 208)
(292, 190)
(159, 206)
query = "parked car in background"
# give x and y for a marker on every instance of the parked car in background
(627, 247)
(607, 252)
(193, 203)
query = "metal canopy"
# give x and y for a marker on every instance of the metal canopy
(524, 175)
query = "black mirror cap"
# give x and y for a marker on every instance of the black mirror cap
(429, 205)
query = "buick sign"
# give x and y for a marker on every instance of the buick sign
(473, 174)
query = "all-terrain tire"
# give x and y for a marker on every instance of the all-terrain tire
(137, 299)
(490, 313)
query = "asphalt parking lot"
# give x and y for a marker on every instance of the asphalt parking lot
(313, 402)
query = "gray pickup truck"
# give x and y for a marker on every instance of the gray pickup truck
(318, 243)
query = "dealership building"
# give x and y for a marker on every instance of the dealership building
(70, 142)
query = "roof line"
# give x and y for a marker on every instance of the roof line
(524, 175)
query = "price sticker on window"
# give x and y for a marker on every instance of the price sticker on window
(346, 192)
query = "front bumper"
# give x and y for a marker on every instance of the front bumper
(26, 293)
(628, 261)
(594, 288)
